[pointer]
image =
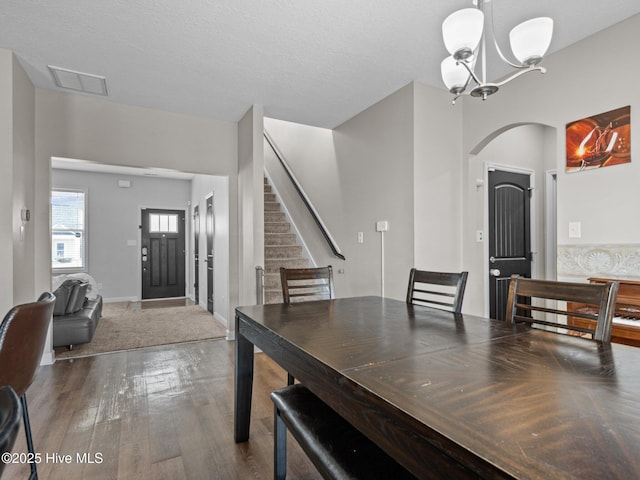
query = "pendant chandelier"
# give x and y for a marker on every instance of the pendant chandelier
(464, 36)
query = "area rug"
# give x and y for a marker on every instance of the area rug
(123, 328)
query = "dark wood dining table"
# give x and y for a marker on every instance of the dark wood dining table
(455, 396)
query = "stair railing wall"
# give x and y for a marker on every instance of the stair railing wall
(305, 199)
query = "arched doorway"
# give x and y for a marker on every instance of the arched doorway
(525, 148)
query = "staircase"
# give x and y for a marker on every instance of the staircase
(281, 247)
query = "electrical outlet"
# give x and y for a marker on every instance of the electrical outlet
(382, 226)
(575, 229)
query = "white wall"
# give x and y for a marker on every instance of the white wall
(113, 220)
(398, 161)
(203, 186)
(310, 153)
(375, 164)
(438, 183)
(590, 77)
(356, 175)
(23, 186)
(88, 128)
(523, 147)
(17, 279)
(250, 201)
(6, 180)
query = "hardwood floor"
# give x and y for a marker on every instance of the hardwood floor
(158, 413)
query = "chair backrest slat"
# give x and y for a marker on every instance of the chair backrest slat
(528, 297)
(306, 284)
(447, 286)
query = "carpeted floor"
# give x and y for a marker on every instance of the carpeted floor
(123, 327)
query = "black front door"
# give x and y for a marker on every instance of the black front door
(210, 233)
(509, 234)
(196, 253)
(163, 253)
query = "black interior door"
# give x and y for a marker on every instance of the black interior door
(163, 253)
(509, 234)
(210, 233)
(196, 253)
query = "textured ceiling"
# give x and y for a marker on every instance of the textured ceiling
(317, 62)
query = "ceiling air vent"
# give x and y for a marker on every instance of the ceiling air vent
(78, 81)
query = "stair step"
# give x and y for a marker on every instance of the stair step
(273, 265)
(279, 238)
(281, 246)
(282, 251)
(272, 296)
(272, 281)
(276, 227)
(274, 217)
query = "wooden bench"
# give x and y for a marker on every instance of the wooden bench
(336, 448)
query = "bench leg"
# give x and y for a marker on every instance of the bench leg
(279, 447)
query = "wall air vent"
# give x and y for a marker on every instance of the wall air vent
(78, 81)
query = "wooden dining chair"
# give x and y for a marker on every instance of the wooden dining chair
(23, 332)
(540, 302)
(306, 284)
(437, 289)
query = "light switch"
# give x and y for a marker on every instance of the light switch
(479, 236)
(575, 230)
(360, 237)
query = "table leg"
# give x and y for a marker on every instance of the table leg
(243, 385)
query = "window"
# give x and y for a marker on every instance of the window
(163, 223)
(68, 235)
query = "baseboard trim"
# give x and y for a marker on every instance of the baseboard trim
(120, 299)
(48, 358)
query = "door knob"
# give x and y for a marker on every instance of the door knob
(494, 272)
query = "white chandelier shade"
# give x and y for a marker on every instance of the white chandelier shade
(462, 31)
(531, 39)
(464, 34)
(454, 75)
